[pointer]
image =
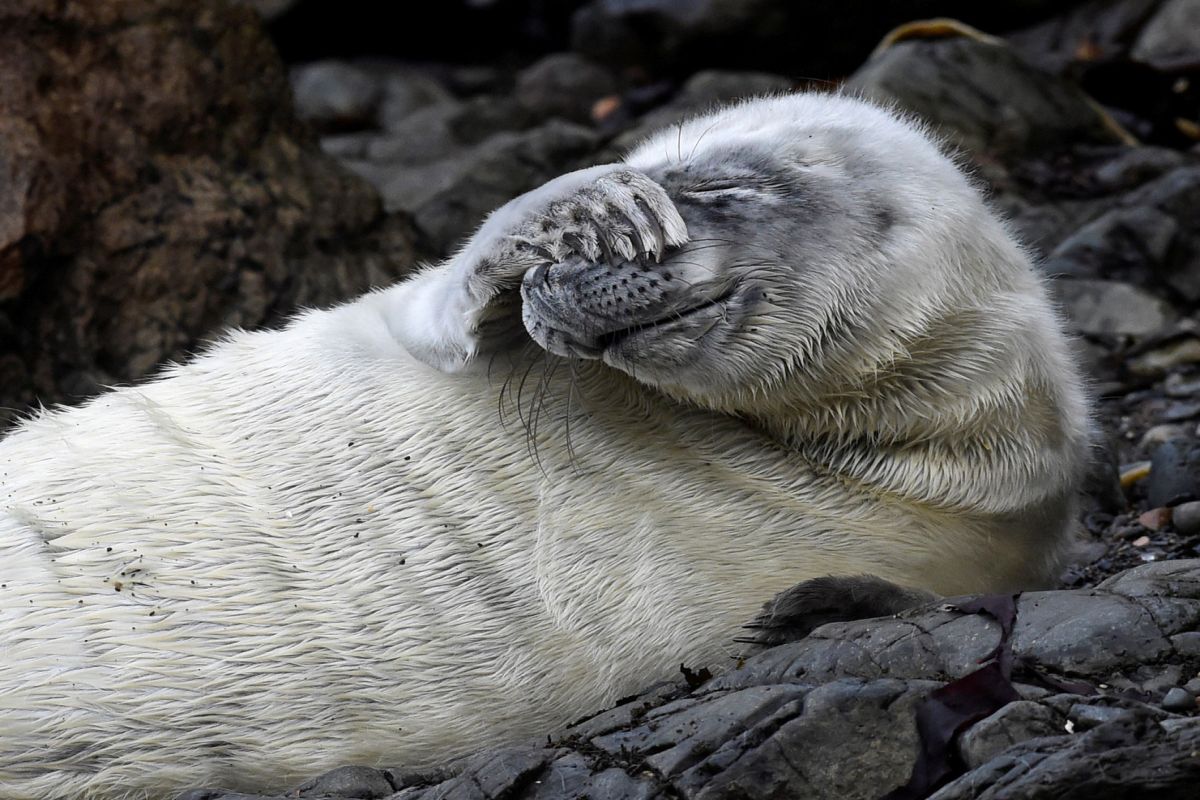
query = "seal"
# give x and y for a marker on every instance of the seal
(783, 341)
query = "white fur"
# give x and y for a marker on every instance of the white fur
(328, 551)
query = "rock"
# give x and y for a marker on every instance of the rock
(563, 85)
(1179, 699)
(1124, 238)
(1180, 410)
(269, 9)
(1193, 686)
(1014, 723)
(816, 718)
(1186, 517)
(1134, 166)
(1159, 434)
(1096, 31)
(1177, 385)
(406, 91)
(127, 238)
(449, 197)
(1170, 353)
(361, 783)
(1171, 39)
(334, 95)
(828, 39)
(981, 95)
(1174, 473)
(1128, 758)
(1086, 716)
(1101, 307)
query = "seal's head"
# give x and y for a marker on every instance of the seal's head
(827, 235)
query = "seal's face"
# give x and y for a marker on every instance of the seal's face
(781, 230)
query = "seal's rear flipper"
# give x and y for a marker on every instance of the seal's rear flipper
(794, 613)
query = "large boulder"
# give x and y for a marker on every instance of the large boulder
(155, 187)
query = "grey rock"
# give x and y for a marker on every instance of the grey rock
(833, 715)
(563, 85)
(335, 95)
(1091, 31)
(1159, 434)
(1178, 385)
(404, 92)
(1174, 473)
(1128, 758)
(819, 750)
(361, 783)
(425, 135)
(1187, 643)
(1014, 723)
(1086, 716)
(981, 95)
(1103, 307)
(1121, 238)
(1174, 352)
(1179, 699)
(268, 9)
(1180, 410)
(1193, 686)
(448, 198)
(1135, 166)
(1171, 39)
(1186, 517)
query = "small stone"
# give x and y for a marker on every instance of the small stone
(334, 94)
(1154, 519)
(1179, 699)
(1101, 307)
(1185, 388)
(1015, 722)
(361, 783)
(1165, 357)
(1187, 644)
(1141, 541)
(563, 85)
(1193, 686)
(1088, 716)
(1172, 36)
(1187, 518)
(1174, 473)
(1179, 411)
(1159, 434)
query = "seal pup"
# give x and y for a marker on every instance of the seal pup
(785, 340)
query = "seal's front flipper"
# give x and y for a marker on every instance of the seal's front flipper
(794, 613)
(450, 314)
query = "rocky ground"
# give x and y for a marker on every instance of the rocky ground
(158, 185)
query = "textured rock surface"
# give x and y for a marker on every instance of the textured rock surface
(154, 193)
(833, 715)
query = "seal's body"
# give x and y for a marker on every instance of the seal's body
(388, 534)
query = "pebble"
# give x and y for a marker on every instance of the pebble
(1185, 388)
(1187, 518)
(1179, 699)
(1174, 473)
(1193, 686)
(1087, 716)
(1179, 411)
(1154, 519)
(1159, 434)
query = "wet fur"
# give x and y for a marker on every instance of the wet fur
(321, 545)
